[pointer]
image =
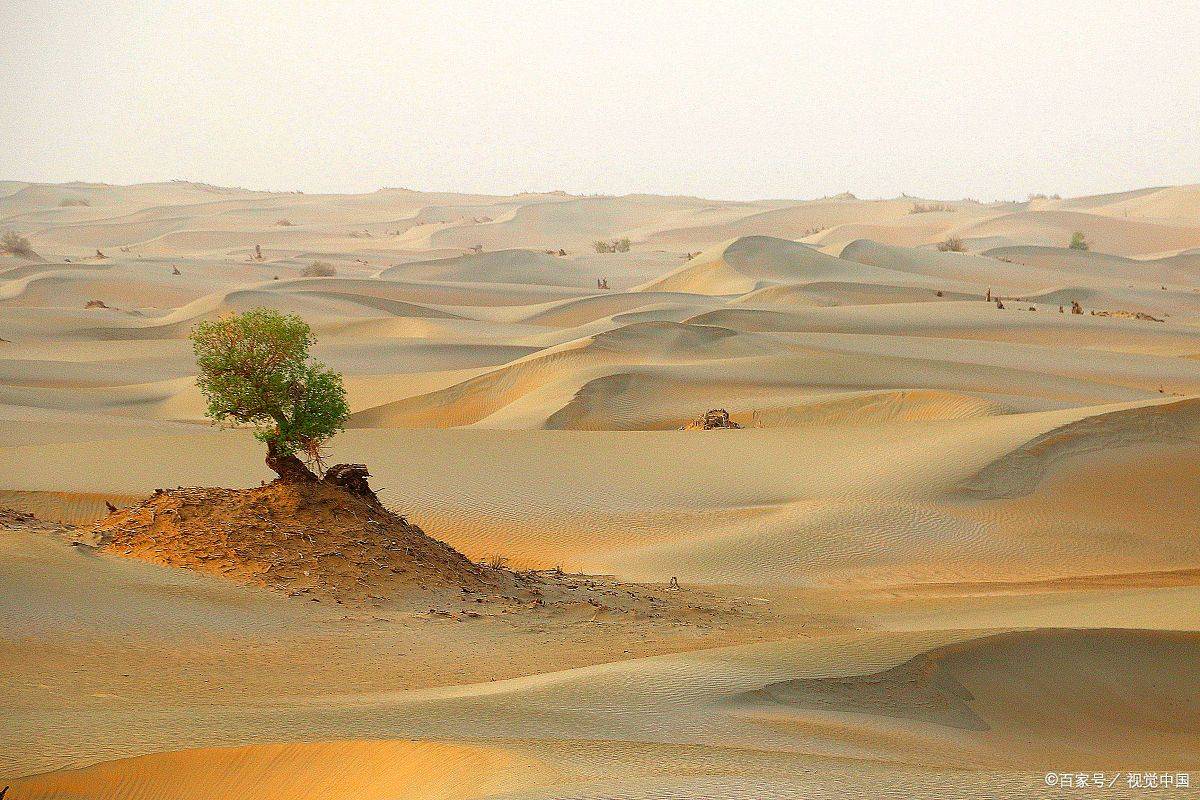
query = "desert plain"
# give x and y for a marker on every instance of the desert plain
(951, 548)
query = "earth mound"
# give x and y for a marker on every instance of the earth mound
(317, 538)
(717, 418)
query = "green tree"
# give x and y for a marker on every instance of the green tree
(254, 368)
(1078, 242)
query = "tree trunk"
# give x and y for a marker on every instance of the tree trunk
(288, 467)
(353, 479)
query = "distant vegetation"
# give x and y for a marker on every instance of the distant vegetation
(318, 269)
(67, 202)
(254, 369)
(615, 246)
(1078, 242)
(928, 208)
(14, 244)
(952, 244)
(1045, 197)
(284, 222)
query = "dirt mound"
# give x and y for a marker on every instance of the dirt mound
(715, 419)
(316, 538)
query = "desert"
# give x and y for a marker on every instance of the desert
(668, 497)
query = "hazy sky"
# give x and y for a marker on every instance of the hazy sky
(727, 100)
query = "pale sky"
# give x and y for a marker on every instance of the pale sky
(723, 100)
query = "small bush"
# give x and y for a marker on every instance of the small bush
(318, 269)
(1078, 242)
(68, 202)
(14, 244)
(952, 244)
(287, 223)
(615, 246)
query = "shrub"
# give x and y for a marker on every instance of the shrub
(1078, 242)
(254, 368)
(68, 202)
(287, 223)
(14, 244)
(318, 269)
(952, 244)
(615, 246)
(928, 208)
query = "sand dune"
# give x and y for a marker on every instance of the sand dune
(1171, 204)
(953, 268)
(1109, 691)
(1021, 470)
(1179, 269)
(1107, 234)
(823, 218)
(753, 262)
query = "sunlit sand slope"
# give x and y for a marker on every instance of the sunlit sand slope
(382, 770)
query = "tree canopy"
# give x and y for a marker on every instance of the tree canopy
(255, 368)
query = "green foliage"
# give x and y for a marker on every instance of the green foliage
(255, 369)
(615, 246)
(1078, 242)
